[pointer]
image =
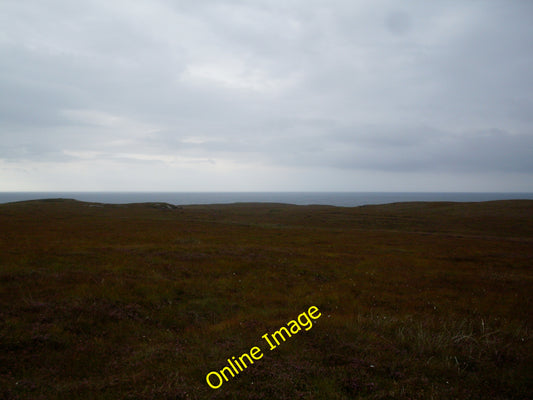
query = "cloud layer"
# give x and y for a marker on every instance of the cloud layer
(266, 95)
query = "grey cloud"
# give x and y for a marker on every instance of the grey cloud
(398, 22)
(418, 149)
(416, 87)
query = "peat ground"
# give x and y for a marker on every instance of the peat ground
(141, 301)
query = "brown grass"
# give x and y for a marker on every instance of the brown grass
(141, 301)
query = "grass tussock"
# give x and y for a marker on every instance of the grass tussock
(418, 300)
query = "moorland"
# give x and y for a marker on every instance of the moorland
(142, 301)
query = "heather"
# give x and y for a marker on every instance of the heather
(141, 301)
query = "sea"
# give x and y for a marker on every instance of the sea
(341, 199)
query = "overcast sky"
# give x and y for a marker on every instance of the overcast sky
(207, 95)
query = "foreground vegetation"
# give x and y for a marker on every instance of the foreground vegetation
(141, 301)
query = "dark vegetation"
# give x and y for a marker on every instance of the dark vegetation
(141, 301)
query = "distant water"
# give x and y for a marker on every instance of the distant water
(346, 199)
